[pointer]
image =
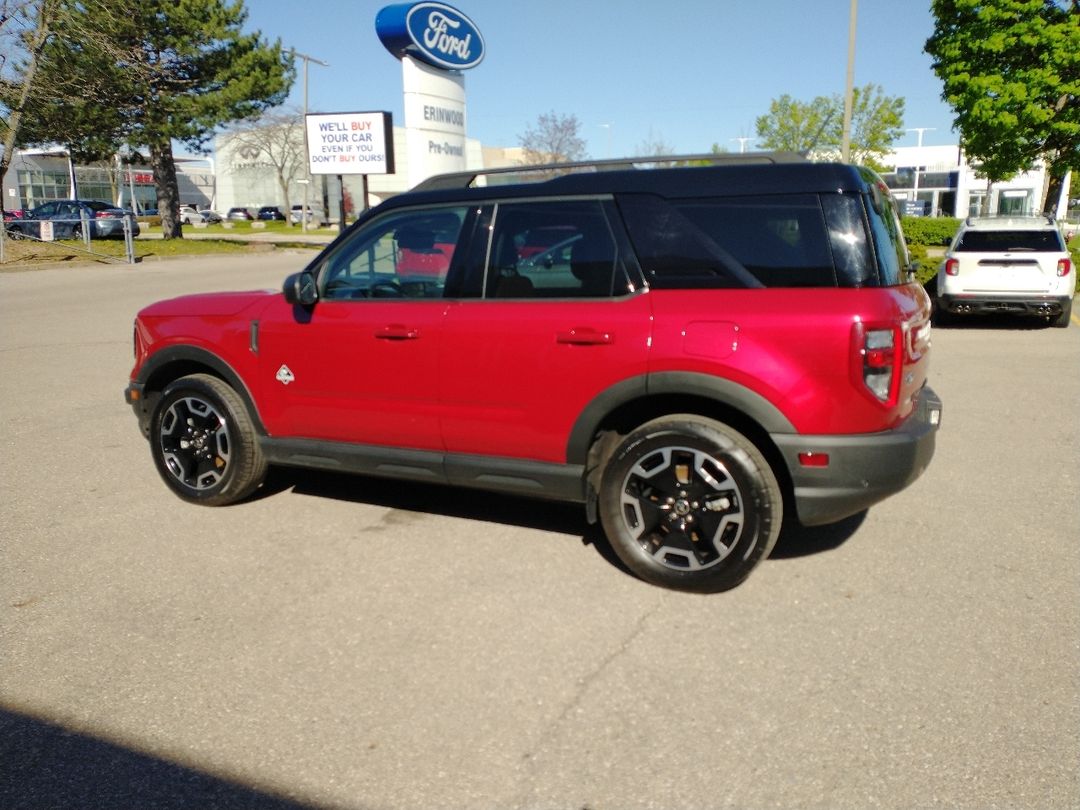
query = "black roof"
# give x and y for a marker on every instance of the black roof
(737, 179)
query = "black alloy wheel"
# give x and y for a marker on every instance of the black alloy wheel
(689, 503)
(203, 442)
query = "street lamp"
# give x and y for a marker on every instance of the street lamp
(307, 159)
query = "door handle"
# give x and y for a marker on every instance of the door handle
(397, 331)
(585, 337)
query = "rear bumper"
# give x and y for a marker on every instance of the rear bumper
(1039, 305)
(862, 469)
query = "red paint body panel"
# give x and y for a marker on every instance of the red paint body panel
(793, 347)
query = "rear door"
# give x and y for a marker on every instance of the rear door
(557, 321)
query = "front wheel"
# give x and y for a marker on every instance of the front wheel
(690, 503)
(204, 443)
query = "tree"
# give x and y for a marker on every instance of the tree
(1010, 71)
(151, 72)
(817, 126)
(553, 139)
(654, 146)
(279, 140)
(799, 126)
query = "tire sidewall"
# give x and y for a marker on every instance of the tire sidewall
(231, 486)
(762, 501)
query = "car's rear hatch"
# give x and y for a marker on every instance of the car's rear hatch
(1020, 261)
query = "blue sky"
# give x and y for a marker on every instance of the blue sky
(689, 73)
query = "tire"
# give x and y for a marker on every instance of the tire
(15, 233)
(204, 443)
(675, 475)
(1062, 320)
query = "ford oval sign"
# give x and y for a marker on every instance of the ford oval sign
(434, 33)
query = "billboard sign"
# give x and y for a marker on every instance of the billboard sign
(350, 143)
(434, 33)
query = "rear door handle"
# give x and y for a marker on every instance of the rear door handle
(585, 337)
(397, 331)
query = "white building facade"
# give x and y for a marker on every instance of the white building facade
(939, 181)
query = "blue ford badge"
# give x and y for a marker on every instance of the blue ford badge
(432, 32)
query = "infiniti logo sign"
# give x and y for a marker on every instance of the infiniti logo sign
(434, 33)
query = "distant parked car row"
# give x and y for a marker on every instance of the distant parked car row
(68, 217)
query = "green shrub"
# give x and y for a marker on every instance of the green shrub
(929, 230)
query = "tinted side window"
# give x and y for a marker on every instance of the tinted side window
(674, 252)
(781, 239)
(553, 249)
(404, 254)
(892, 253)
(850, 243)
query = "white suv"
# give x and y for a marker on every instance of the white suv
(1015, 265)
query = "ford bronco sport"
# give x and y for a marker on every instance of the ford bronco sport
(693, 353)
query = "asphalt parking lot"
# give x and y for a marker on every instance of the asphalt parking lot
(349, 643)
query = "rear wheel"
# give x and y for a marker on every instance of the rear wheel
(690, 503)
(204, 443)
(1062, 320)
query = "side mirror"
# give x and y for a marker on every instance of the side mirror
(300, 289)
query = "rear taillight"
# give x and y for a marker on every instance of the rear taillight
(876, 362)
(952, 267)
(1064, 266)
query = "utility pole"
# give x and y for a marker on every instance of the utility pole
(742, 142)
(307, 161)
(849, 91)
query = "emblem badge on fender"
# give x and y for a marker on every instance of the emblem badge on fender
(284, 375)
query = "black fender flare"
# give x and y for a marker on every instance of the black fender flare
(665, 383)
(189, 356)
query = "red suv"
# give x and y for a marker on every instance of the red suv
(701, 352)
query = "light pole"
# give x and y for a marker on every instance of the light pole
(307, 159)
(849, 86)
(742, 142)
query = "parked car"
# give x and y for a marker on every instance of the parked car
(703, 353)
(239, 213)
(297, 214)
(270, 212)
(68, 218)
(189, 214)
(1013, 265)
(209, 217)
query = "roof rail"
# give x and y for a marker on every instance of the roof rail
(539, 173)
(971, 220)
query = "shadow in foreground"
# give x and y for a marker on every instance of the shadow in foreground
(46, 766)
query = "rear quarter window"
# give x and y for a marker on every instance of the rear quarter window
(781, 240)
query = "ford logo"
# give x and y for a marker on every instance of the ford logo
(434, 33)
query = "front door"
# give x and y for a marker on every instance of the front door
(361, 364)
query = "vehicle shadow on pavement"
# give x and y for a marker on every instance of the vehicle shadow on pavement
(43, 765)
(802, 541)
(549, 516)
